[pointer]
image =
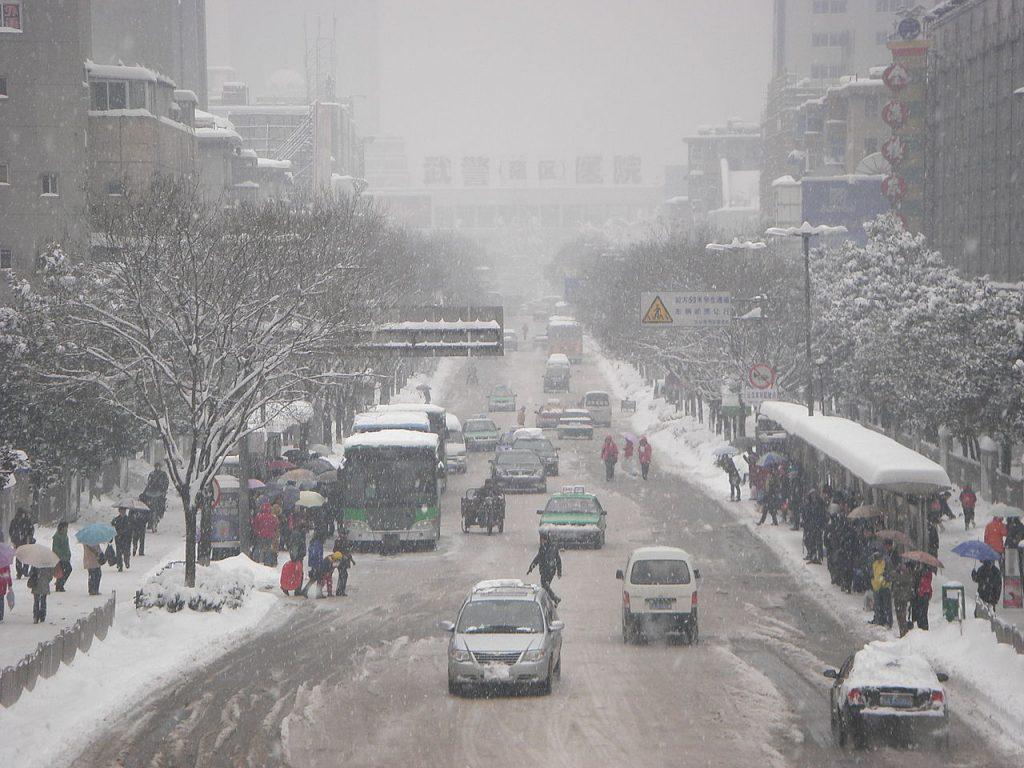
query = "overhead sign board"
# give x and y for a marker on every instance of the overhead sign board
(753, 396)
(692, 309)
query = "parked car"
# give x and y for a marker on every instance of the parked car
(574, 516)
(889, 689)
(501, 399)
(532, 439)
(507, 633)
(557, 373)
(549, 414)
(454, 444)
(519, 471)
(659, 594)
(600, 406)
(481, 434)
(575, 423)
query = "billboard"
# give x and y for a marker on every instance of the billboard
(848, 201)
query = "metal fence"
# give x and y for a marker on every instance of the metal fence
(46, 659)
(1005, 632)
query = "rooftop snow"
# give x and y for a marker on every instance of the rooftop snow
(442, 325)
(121, 72)
(878, 460)
(890, 664)
(410, 407)
(391, 438)
(376, 420)
(785, 181)
(269, 162)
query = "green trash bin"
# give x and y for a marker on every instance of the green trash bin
(953, 601)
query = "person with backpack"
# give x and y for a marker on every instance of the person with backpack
(968, 501)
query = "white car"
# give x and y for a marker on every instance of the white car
(659, 594)
(454, 444)
(600, 406)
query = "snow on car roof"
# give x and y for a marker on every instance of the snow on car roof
(528, 432)
(660, 553)
(376, 420)
(392, 438)
(878, 460)
(407, 407)
(451, 421)
(886, 663)
(558, 358)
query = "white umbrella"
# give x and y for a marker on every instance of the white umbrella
(37, 556)
(310, 499)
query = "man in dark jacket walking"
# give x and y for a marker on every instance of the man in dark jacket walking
(155, 496)
(123, 538)
(550, 564)
(989, 581)
(22, 531)
(814, 516)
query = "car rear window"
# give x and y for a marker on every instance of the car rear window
(454, 436)
(477, 425)
(571, 505)
(599, 400)
(660, 572)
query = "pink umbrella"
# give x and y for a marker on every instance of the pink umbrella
(6, 555)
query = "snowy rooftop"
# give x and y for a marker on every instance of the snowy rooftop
(411, 407)
(391, 438)
(269, 162)
(377, 420)
(442, 325)
(878, 460)
(785, 181)
(122, 72)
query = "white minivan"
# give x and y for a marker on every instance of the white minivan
(600, 406)
(659, 594)
(454, 444)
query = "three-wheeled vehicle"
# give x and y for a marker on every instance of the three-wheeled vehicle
(483, 509)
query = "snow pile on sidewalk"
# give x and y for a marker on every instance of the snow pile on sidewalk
(143, 651)
(224, 584)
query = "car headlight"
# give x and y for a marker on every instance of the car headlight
(455, 654)
(535, 655)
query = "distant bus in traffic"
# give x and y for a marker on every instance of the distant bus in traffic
(565, 336)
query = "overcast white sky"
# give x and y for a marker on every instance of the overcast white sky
(569, 76)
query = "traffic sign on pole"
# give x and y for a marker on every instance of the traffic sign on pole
(692, 309)
(761, 376)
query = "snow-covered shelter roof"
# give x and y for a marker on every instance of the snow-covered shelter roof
(442, 325)
(878, 460)
(391, 438)
(122, 72)
(411, 407)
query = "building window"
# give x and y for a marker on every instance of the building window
(117, 94)
(98, 96)
(838, 6)
(872, 107)
(6, 259)
(820, 6)
(137, 95)
(3, 87)
(115, 189)
(11, 19)
(819, 39)
(890, 6)
(839, 39)
(50, 184)
(5, 174)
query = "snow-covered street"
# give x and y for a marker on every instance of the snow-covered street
(363, 678)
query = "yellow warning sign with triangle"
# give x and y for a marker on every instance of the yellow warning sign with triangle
(657, 313)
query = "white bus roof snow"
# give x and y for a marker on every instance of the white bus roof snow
(378, 420)
(407, 407)
(392, 438)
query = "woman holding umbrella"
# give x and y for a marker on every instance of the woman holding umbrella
(91, 538)
(41, 561)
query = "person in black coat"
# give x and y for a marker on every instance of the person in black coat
(989, 581)
(22, 531)
(814, 516)
(550, 563)
(123, 538)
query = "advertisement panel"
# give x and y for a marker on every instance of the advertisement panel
(848, 201)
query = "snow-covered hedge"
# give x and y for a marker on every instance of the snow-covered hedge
(215, 589)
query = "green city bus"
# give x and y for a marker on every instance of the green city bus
(390, 493)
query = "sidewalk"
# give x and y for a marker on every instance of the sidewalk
(987, 678)
(19, 636)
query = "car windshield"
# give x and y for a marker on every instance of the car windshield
(660, 572)
(501, 617)
(599, 399)
(518, 459)
(572, 505)
(481, 425)
(537, 445)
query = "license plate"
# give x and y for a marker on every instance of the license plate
(900, 700)
(497, 672)
(660, 603)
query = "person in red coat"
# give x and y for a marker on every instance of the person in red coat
(610, 457)
(291, 577)
(265, 530)
(968, 500)
(995, 533)
(643, 454)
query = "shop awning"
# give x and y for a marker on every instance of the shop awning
(879, 461)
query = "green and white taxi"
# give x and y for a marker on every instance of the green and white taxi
(574, 516)
(501, 399)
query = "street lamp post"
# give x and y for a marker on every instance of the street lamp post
(806, 232)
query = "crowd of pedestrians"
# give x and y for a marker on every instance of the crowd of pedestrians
(638, 451)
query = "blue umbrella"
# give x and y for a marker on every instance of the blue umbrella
(96, 533)
(977, 550)
(771, 459)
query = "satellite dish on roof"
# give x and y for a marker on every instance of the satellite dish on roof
(873, 165)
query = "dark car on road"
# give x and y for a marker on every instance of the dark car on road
(533, 440)
(518, 470)
(889, 690)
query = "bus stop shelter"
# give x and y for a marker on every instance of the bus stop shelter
(844, 453)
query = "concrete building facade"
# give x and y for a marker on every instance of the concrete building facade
(43, 129)
(974, 196)
(168, 36)
(724, 173)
